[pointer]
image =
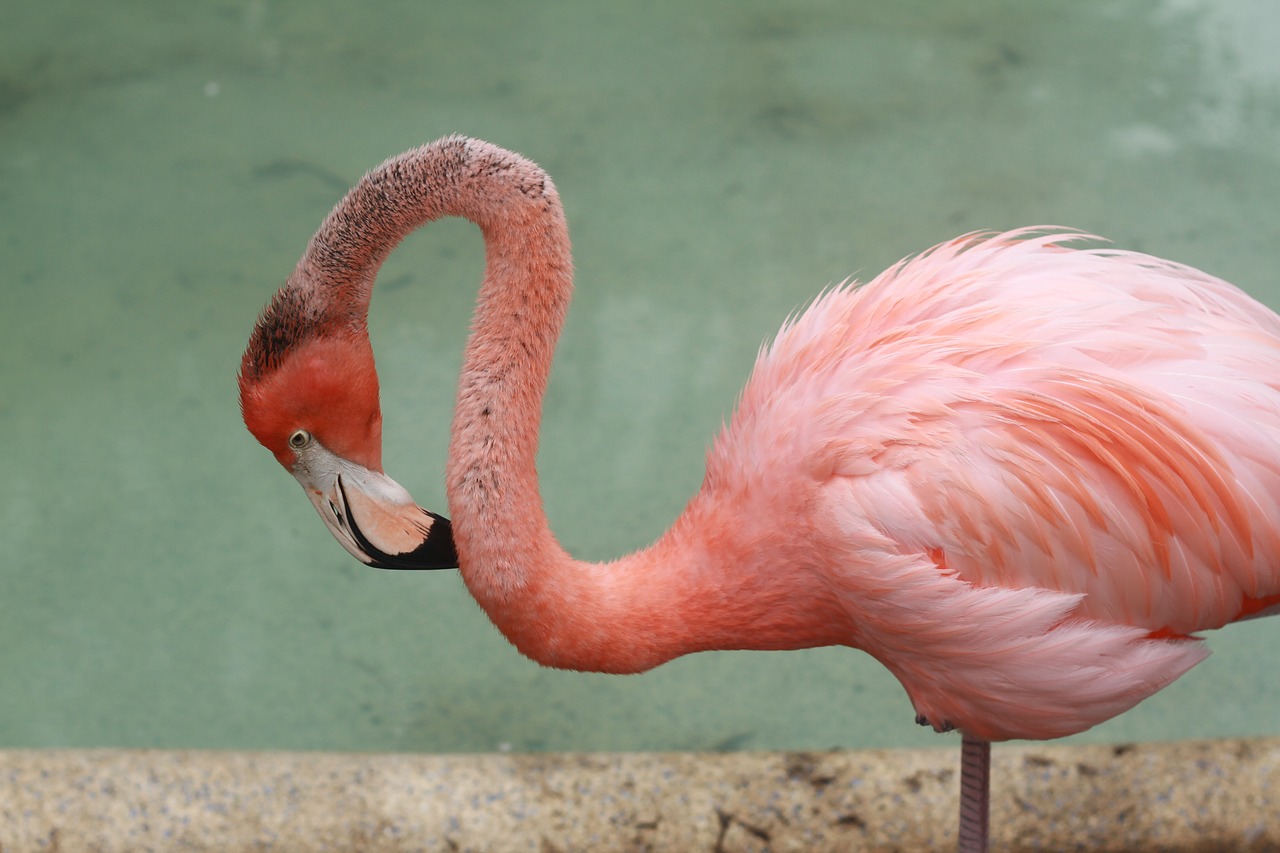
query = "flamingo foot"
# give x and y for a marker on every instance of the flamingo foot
(944, 726)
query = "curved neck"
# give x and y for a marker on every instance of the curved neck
(527, 286)
(624, 616)
(509, 558)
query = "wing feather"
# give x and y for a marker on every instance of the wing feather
(1090, 422)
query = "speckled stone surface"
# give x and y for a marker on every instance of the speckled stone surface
(1201, 795)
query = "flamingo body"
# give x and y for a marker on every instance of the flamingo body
(1019, 474)
(1060, 464)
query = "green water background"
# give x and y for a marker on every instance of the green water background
(162, 166)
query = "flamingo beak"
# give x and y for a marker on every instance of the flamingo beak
(373, 516)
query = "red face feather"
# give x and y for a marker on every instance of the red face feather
(326, 385)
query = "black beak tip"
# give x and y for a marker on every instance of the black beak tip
(436, 551)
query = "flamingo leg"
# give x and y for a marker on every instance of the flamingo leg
(975, 794)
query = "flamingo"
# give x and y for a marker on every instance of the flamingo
(1019, 472)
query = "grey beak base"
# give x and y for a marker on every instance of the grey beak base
(325, 479)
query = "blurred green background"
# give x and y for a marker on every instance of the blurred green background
(162, 165)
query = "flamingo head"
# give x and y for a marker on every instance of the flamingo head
(314, 404)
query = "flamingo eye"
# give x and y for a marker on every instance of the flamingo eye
(299, 439)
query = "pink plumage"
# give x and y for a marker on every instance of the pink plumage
(1019, 473)
(1038, 469)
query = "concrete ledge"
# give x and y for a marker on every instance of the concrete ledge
(1196, 795)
